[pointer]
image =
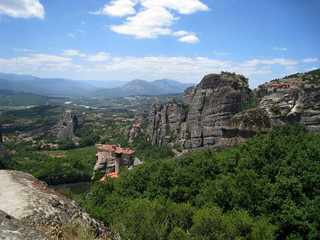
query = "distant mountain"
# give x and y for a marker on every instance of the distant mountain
(103, 84)
(92, 88)
(21, 86)
(52, 86)
(142, 87)
(16, 77)
(17, 98)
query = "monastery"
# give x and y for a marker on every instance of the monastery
(111, 157)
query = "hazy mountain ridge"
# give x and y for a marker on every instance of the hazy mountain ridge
(90, 88)
(142, 87)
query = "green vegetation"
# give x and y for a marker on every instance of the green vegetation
(275, 109)
(57, 167)
(252, 101)
(265, 188)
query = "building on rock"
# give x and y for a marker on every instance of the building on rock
(111, 157)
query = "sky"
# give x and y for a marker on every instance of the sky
(182, 40)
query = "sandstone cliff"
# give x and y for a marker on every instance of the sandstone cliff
(298, 99)
(244, 125)
(34, 204)
(196, 120)
(291, 99)
(65, 128)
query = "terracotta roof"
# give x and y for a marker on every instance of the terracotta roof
(116, 149)
(112, 175)
(138, 126)
(274, 84)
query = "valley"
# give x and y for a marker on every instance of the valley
(219, 161)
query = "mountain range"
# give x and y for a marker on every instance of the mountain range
(88, 88)
(142, 87)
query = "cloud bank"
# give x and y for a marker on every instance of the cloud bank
(22, 8)
(152, 18)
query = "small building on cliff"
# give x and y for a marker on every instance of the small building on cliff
(111, 157)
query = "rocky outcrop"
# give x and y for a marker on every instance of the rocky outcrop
(30, 201)
(245, 125)
(64, 129)
(196, 120)
(11, 228)
(133, 133)
(295, 105)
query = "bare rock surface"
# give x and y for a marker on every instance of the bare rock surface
(32, 202)
(245, 125)
(196, 120)
(13, 229)
(64, 129)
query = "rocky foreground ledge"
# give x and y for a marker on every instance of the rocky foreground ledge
(26, 202)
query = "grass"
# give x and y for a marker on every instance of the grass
(85, 152)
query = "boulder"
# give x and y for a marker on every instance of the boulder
(30, 201)
(11, 228)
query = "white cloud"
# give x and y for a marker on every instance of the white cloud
(221, 53)
(154, 18)
(281, 61)
(71, 52)
(80, 30)
(22, 8)
(22, 50)
(309, 60)
(119, 8)
(71, 35)
(189, 39)
(180, 33)
(280, 49)
(185, 69)
(182, 6)
(99, 57)
(147, 24)
(34, 63)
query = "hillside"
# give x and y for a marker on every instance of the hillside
(17, 98)
(306, 80)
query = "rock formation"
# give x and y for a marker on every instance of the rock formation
(295, 105)
(133, 133)
(204, 114)
(65, 128)
(245, 125)
(11, 228)
(30, 201)
(196, 120)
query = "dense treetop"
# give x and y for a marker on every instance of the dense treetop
(266, 188)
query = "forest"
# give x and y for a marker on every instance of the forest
(266, 188)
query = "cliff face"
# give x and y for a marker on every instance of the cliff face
(245, 125)
(196, 120)
(31, 202)
(65, 128)
(295, 105)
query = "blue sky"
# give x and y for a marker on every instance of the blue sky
(181, 40)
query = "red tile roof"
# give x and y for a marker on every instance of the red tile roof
(116, 149)
(138, 126)
(112, 175)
